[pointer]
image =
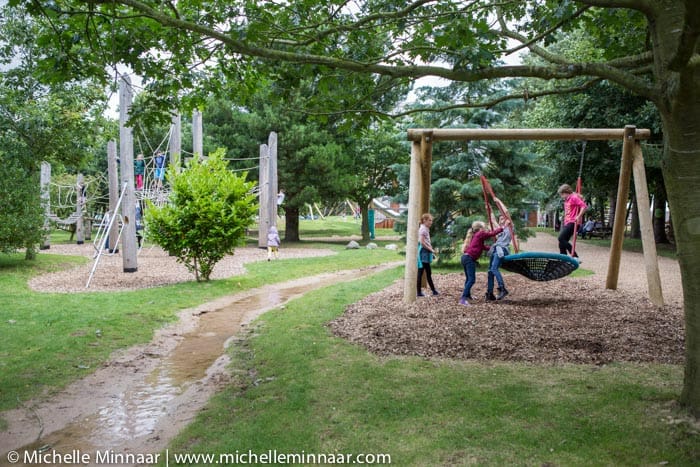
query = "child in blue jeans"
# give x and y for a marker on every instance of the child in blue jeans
(472, 248)
(498, 250)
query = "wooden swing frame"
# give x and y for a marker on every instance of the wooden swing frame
(631, 163)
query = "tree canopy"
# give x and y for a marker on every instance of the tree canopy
(39, 121)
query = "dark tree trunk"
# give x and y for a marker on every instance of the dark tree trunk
(635, 229)
(682, 178)
(364, 212)
(677, 79)
(30, 252)
(601, 212)
(613, 207)
(659, 213)
(291, 229)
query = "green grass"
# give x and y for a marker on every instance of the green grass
(335, 395)
(314, 392)
(334, 226)
(328, 227)
(50, 339)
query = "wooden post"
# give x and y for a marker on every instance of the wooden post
(263, 195)
(45, 187)
(113, 175)
(648, 244)
(197, 134)
(426, 161)
(426, 166)
(414, 200)
(272, 149)
(79, 203)
(175, 141)
(126, 161)
(623, 188)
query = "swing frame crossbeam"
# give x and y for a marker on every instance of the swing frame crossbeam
(632, 163)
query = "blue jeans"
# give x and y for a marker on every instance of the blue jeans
(469, 266)
(494, 272)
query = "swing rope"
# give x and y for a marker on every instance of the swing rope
(579, 185)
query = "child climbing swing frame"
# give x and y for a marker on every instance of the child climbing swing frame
(632, 162)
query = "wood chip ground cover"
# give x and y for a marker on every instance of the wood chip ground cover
(569, 320)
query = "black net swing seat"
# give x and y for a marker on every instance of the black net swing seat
(540, 266)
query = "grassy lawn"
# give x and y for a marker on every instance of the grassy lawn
(290, 372)
(299, 388)
(50, 339)
(334, 226)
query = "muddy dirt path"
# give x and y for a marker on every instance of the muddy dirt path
(144, 396)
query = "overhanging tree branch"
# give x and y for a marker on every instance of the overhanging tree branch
(364, 21)
(645, 6)
(525, 95)
(564, 70)
(613, 71)
(546, 33)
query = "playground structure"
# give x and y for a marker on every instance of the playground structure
(120, 221)
(74, 197)
(632, 163)
(268, 195)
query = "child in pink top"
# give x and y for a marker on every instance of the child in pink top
(473, 246)
(574, 208)
(425, 254)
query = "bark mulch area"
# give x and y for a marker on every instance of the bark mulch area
(571, 320)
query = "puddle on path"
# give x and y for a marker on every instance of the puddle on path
(151, 399)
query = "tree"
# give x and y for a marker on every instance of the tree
(21, 217)
(210, 210)
(313, 164)
(374, 152)
(38, 122)
(650, 48)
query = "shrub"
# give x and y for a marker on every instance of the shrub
(209, 211)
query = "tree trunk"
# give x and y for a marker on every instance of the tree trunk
(682, 178)
(635, 229)
(291, 229)
(659, 213)
(613, 207)
(677, 79)
(30, 252)
(364, 210)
